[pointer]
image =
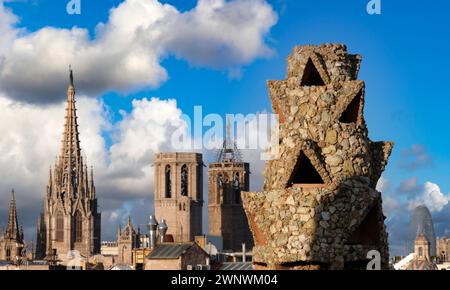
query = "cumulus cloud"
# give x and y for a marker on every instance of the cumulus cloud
(127, 50)
(415, 157)
(7, 20)
(146, 130)
(383, 184)
(432, 197)
(390, 204)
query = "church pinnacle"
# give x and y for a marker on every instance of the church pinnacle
(12, 230)
(70, 162)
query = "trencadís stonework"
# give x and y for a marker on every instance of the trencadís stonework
(319, 208)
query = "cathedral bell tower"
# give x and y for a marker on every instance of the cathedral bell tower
(227, 178)
(179, 194)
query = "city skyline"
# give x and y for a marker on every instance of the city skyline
(116, 112)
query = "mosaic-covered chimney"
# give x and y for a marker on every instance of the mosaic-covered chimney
(319, 208)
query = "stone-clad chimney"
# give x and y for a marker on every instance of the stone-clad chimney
(319, 208)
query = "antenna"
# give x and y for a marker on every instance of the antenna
(229, 151)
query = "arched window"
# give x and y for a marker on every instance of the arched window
(59, 227)
(8, 254)
(184, 180)
(219, 188)
(420, 252)
(78, 221)
(168, 182)
(237, 189)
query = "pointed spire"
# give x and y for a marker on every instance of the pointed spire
(71, 76)
(12, 230)
(129, 220)
(70, 158)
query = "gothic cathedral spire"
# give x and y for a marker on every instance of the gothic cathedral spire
(12, 230)
(71, 220)
(70, 162)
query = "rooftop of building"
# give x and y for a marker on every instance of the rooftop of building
(170, 250)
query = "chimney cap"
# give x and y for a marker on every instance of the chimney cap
(162, 225)
(152, 221)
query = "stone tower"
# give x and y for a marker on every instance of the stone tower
(127, 240)
(70, 220)
(179, 193)
(227, 178)
(11, 242)
(319, 208)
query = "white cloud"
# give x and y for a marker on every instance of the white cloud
(126, 52)
(141, 133)
(432, 197)
(390, 204)
(383, 184)
(8, 34)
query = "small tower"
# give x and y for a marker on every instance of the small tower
(422, 260)
(11, 241)
(422, 248)
(127, 240)
(179, 194)
(227, 178)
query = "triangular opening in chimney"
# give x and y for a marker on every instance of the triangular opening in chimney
(305, 173)
(368, 232)
(311, 76)
(351, 113)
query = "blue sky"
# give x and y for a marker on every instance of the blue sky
(405, 66)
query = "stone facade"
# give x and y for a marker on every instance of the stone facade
(179, 194)
(422, 247)
(127, 241)
(70, 220)
(227, 219)
(443, 249)
(12, 244)
(319, 208)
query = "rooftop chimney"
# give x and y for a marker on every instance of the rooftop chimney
(162, 230)
(152, 228)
